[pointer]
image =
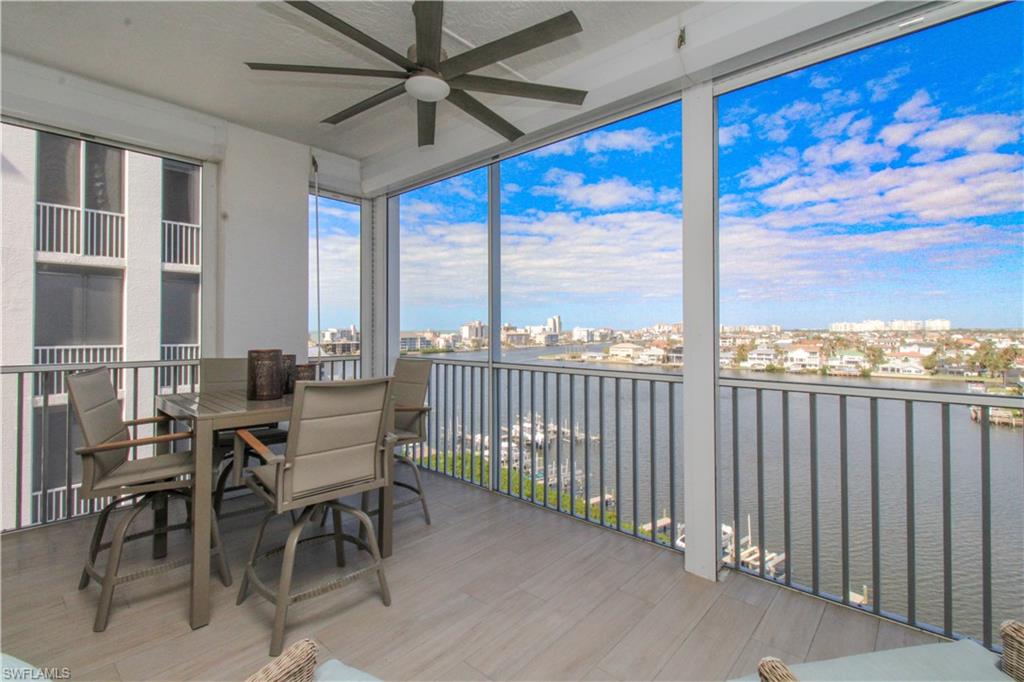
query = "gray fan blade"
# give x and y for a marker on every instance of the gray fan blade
(335, 70)
(426, 119)
(352, 32)
(429, 15)
(383, 96)
(474, 108)
(545, 32)
(501, 86)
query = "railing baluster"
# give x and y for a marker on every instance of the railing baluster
(586, 447)
(672, 464)
(508, 431)
(462, 425)
(876, 531)
(947, 528)
(558, 437)
(786, 528)
(812, 419)
(472, 422)
(519, 471)
(19, 450)
(533, 437)
(572, 444)
(636, 469)
(911, 542)
(653, 417)
(986, 529)
(736, 533)
(844, 498)
(67, 461)
(601, 449)
(618, 454)
(759, 436)
(44, 446)
(547, 439)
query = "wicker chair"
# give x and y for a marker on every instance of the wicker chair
(297, 664)
(108, 472)
(336, 447)
(771, 669)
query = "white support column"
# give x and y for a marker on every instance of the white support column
(391, 285)
(493, 308)
(700, 351)
(374, 286)
(210, 290)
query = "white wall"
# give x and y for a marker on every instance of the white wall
(262, 267)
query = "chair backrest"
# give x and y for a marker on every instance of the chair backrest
(409, 382)
(334, 439)
(223, 374)
(99, 415)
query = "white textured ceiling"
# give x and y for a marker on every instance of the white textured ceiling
(192, 54)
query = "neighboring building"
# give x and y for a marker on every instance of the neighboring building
(414, 342)
(583, 335)
(105, 247)
(546, 339)
(515, 338)
(624, 351)
(554, 324)
(472, 331)
(650, 356)
(803, 359)
(937, 325)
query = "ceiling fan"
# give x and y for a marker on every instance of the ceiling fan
(430, 76)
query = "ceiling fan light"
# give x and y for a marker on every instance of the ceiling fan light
(427, 88)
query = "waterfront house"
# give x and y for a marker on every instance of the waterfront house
(276, 378)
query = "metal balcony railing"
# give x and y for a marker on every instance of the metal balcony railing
(182, 243)
(179, 375)
(52, 383)
(76, 231)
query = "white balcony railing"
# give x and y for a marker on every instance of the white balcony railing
(178, 375)
(82, 232)
(53, 383)
(181, 243)
(58, 228)
(103, 234)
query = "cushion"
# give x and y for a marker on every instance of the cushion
(962, 660)
(333, 670)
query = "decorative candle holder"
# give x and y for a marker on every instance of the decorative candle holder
(288, 374)
(264, 376)
(305, 372)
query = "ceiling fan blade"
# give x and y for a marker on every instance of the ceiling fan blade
(501, 86)
(545, 32)
(474, 108)
(369, 102)
(352, 32)
(426, 119)
(429, 16)
(335, 70)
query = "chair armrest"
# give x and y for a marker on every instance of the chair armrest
(298, 662)
(412, 408)
(771, 669)
(389, 442)
(148, 420)
(258, 447)
(132, 443)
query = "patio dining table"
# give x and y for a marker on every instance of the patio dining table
(211, 411)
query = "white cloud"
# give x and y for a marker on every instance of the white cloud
(852, 150)
(881, 88)
(636, 140)
(727, 135)
(572, 189)
(778, 125)
(835, 126)
(771, 168)
(821, 81)
(840, 98)
(565, 147)
(917, 108)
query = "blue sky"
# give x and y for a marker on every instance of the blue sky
(887, 183)
(339, 264)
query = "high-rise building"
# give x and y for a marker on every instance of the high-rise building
(554, 324)
(104, 247)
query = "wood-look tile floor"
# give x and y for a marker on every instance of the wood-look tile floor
(495, 589)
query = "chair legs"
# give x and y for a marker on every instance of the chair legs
(113, 562)
(97, 538)
(284, 584)
(281, 595)
(405, 459)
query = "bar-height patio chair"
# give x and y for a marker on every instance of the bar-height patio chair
(107, 471)
(409, 387)
(337, 446)
(224, 374)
